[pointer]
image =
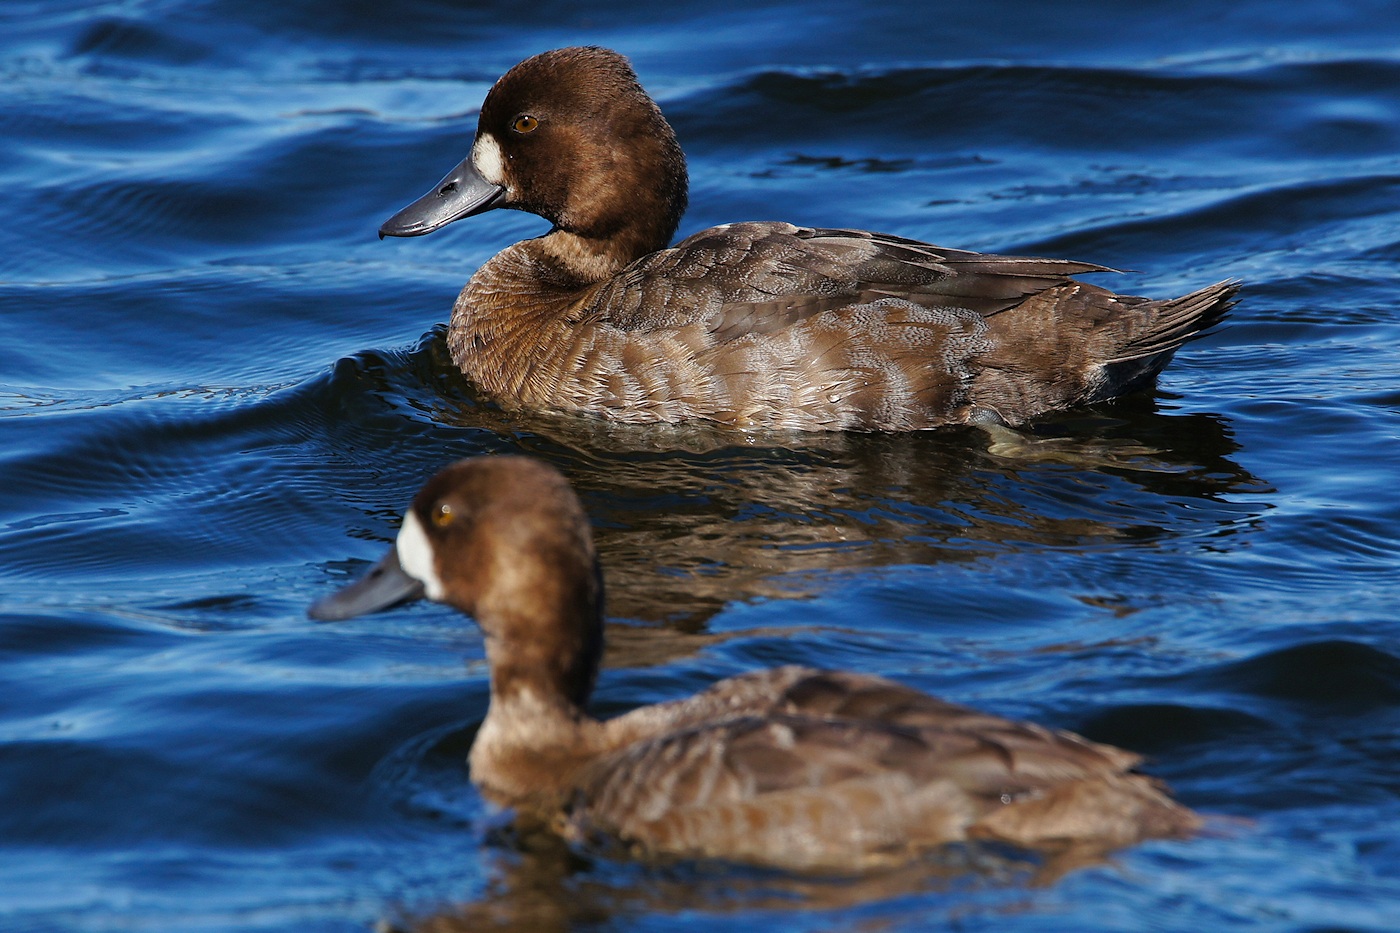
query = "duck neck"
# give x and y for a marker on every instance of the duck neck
(586, 260)
(545, 648)
(536, 732)
(529, 711)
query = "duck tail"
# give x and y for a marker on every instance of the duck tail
(1177, 321)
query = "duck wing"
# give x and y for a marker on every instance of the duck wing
(795, 690)
(859, 772)
(772, 325)
(758, 278)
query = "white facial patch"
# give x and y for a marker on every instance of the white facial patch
(487, 159)
(416, 556)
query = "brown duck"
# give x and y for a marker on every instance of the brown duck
(752, 324)
(791, 767)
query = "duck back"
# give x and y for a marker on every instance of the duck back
(812, 770)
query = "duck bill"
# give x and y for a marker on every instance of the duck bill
(386, 584)
(461, 193)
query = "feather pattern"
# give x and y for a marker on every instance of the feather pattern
(818, 769)
(766, 324)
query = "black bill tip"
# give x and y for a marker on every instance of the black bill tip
(384, 585)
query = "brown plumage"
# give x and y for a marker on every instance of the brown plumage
(752, 324)
(790, 767)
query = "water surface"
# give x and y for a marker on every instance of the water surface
(219, 391)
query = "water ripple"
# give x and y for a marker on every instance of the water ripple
(220, 391)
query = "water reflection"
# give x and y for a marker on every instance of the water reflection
(540, 885)
(689, 519)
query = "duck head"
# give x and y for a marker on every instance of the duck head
(571, 136)
(506, 541)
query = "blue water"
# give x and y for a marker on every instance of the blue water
(218, 391)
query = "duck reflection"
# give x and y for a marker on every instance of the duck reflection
(688, 519)
(540, 885)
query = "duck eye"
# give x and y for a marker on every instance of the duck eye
(525, 123)
(443, 515)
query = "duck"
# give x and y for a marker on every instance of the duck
(755, 324)
(793, 767)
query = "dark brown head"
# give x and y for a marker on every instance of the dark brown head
(505, 540)
(571, 136)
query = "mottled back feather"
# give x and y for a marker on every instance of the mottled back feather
(759, 772)
(760, 324)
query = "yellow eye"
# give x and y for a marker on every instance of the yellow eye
(443, 515)
(525, 123)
